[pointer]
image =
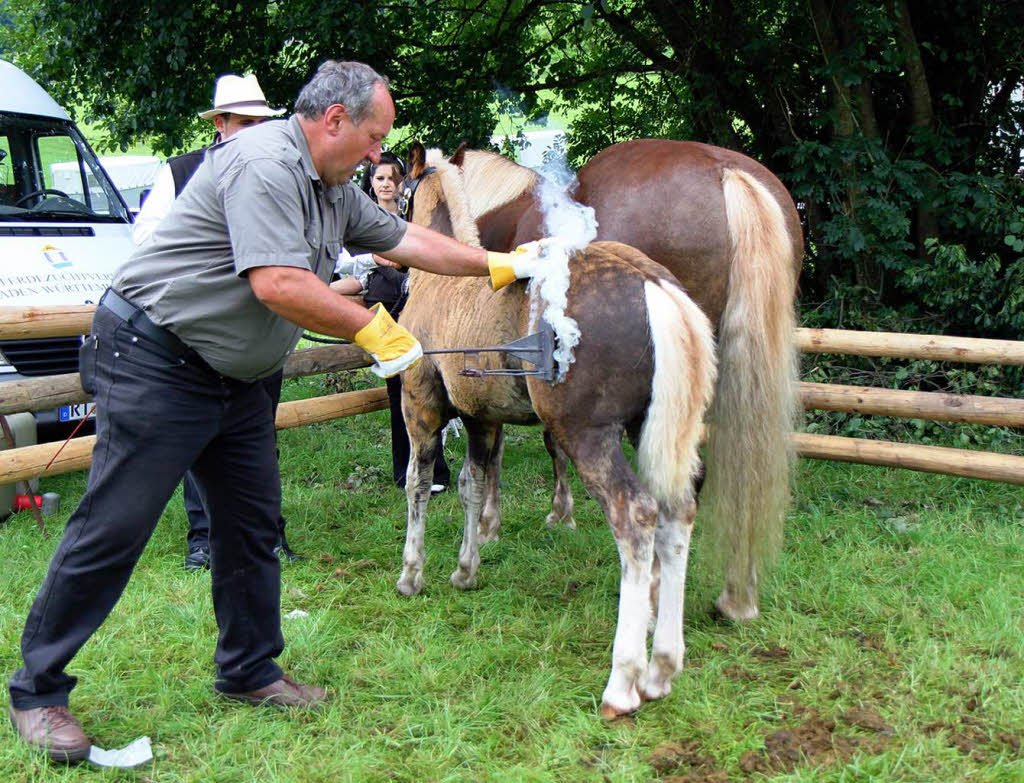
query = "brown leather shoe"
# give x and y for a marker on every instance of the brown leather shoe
(53, 729)
(285, 692)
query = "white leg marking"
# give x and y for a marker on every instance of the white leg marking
(417, 492)
(472, 487)
(629, 652)
(672, 544)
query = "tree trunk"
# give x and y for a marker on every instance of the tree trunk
(867, 273)
(922, 116)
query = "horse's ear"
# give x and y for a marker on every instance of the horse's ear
(459, 156)
(417, 160)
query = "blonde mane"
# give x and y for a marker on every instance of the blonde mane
(491, 180)
(453, 190)
(485, 181)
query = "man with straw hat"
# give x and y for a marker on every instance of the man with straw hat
(238, 103)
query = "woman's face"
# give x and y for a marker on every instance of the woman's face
(385, 182)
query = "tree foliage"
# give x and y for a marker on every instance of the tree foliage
(896, 125)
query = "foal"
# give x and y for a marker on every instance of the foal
(644, 367)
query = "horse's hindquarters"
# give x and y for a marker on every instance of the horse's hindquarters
(609, 379)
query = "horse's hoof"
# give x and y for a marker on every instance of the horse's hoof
(611, 712)
(486, 537)
(655, 688)
(724, 612)
(553, 520)
(462, 580)
(620, 702)
(409, 587)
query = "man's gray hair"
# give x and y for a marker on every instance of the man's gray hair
(349, 83)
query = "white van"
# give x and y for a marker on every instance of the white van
(64, 228)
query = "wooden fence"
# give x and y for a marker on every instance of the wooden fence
(48, 392)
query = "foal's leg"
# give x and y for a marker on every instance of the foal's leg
(561, 500)
(483, 441)
(671, 547)
(424, 427)
(631, 512)
(490, 517)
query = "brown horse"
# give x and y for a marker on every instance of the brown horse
(636, 325)
(727, 229)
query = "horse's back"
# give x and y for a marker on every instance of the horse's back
(665, 198)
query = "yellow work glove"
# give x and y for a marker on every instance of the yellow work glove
(393, 348)
(522, 262)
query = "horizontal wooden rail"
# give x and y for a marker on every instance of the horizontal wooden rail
(39, 394)
(911, 346)
(932, 406)
(930, 459)
(28, 322)
(23, 323)
(43, 393)
(30, 461)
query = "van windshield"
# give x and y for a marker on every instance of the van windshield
(49, 174)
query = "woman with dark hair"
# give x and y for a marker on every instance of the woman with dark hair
(388, 284)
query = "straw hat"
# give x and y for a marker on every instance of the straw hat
(239, 95)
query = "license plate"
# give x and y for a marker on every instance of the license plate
(74, 412)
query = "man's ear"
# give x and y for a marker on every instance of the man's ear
(334, 116)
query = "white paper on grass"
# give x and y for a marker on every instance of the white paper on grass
(133, 754)
(569, 226)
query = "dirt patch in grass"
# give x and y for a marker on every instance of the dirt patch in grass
(815, 742)
(973, 738)
(684, 762)
(867, 719)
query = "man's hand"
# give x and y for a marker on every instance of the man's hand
(522, 262)
(393, 347)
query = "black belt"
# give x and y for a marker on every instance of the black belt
(141, 323)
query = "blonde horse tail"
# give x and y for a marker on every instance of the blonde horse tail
(755, 405)
(683, 383)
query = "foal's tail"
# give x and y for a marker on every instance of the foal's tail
(684, 378)
(755, 404)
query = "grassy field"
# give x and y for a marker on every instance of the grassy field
(891, 645)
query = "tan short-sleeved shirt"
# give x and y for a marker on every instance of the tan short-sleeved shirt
(256, 200)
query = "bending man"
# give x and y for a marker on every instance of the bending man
(181, 346)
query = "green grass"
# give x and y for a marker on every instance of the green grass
(890, 646)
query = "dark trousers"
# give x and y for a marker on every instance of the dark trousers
(198, 519)
(157, 415)
(400, 440)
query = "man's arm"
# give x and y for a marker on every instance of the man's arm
(422, 248)
(301, 297)
(349, 286)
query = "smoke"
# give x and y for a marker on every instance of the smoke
(570, 227)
